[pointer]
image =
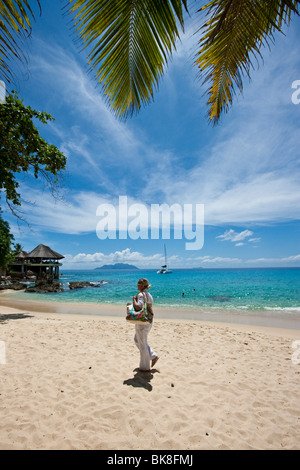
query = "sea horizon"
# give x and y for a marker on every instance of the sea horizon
(189, 269)
(209, 291)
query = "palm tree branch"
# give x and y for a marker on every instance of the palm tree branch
(129, 43)
(14, 25)
(232, 37)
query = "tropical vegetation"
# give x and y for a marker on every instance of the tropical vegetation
(22, 149)
(6, 239)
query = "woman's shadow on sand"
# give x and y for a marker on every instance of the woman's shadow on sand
(141, 379)
(13, 316)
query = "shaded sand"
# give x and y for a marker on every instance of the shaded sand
(70, 382)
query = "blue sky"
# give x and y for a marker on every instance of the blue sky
(245, 171)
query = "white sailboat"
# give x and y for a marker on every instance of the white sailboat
(164, 269)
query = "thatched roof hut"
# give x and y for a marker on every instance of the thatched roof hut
(44, 252)
(21, 255)
(41, 260)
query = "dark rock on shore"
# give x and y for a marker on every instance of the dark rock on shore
(54, 287)
(14, 280)
(13, 286)
(81, 284)
(15, 276)
(45, 284)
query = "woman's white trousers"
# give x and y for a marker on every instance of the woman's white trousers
(141, 340)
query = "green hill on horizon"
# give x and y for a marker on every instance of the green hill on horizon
(117, 266)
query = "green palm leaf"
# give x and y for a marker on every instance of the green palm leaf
(129, 43)
(14, 26)
(233, 35)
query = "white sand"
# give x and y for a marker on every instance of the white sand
(70, 382)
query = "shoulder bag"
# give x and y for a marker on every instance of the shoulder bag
(142, 316)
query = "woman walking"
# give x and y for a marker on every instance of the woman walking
(142, 330)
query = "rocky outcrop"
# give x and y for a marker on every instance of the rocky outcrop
(13, 286)
(45, 284)
(81, 284)
(30, 276)
(18, 276)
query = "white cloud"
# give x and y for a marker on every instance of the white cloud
(250, 171)
(289, 261)
(234, 189)
(238, 238)
(78, 214)
(232, 236)
(75, 215)
(217, 260)
(136, 258)
(77, 90)
(292, 258)
(92, 260)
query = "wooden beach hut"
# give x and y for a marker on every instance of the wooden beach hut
(42, 259)
(21, 255)
(20, 258)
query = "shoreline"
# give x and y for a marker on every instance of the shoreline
(257, 319)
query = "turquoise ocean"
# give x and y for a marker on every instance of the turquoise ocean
(269, 292)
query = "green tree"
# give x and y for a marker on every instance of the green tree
(130, 41)
(22, 149)
(17, 248)
(6, 239)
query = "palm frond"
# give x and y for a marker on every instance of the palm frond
(14, 26)
(129, 42)
(233, 35)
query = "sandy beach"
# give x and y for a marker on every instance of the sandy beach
(70, 381)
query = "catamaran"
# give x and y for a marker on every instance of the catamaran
(164, 269)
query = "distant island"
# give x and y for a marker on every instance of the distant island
(117, 266)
